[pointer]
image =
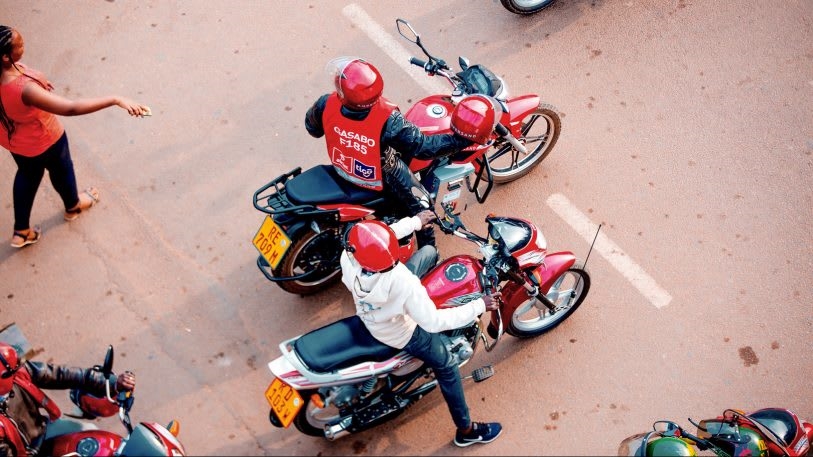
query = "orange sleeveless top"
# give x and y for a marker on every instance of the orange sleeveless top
(35, 130)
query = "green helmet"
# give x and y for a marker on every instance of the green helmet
(669, 446)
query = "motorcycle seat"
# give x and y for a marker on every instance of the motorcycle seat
(342, 344)
(322, 185)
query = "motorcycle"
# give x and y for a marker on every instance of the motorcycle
(768, 432)
(70, 438)
(526, 7)
(338, 379)
(307, 213)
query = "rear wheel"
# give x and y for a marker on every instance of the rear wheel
(312, 420)
(533, 318)
(525, 6)
(539, 133)
(313, 253)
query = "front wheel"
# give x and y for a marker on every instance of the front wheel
(525, 6)
(316, 254)
(533, 318)
(539, 132)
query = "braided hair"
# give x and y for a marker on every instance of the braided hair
(6, 33)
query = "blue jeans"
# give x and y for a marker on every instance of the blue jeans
(57, 160)
(430, 348)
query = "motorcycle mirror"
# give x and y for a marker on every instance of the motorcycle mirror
(406, 31)
(463, 62)
(667, 428)
(107, 368)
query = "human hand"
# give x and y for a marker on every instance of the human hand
(125, 382)
(492, 301)
(133, 108)
(426, 216)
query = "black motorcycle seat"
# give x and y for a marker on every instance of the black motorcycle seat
(342, 344)
(321, 184)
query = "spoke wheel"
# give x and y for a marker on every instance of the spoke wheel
(539, 133)
(317, 253)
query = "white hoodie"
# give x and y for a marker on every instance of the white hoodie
(393, 303)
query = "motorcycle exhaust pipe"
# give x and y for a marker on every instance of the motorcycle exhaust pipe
(336, 431)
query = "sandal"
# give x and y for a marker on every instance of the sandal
(91, 192)
(25, 238)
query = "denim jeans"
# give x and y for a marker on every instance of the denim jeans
(429, 348)
(57, 160)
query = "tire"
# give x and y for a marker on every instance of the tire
(528, 321)
(525, 6)
(312, 420)
(311, 251)
(540, 130)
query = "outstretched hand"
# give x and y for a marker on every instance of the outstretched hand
(133, 108)
(125, 382)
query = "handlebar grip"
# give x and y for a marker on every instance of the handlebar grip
(417, 62)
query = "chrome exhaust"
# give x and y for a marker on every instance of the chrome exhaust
(336, 431)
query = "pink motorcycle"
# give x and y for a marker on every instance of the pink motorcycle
(339, 380)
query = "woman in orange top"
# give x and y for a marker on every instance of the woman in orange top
(32, 132)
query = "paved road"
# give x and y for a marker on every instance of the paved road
(687, 134)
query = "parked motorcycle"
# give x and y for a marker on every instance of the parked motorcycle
(339, 379)
(145, 439)
(308, 212)
(525, 7)
(767, 432)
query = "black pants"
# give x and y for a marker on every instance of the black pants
(57, 160)
(413, 197)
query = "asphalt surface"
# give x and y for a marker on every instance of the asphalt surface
(687, 134)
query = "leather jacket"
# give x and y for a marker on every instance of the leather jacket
(25, 410)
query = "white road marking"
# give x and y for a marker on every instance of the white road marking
(393, 48)
(645, 284)
(558, 202)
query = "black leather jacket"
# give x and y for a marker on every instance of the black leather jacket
(24, 409)
(398, 135)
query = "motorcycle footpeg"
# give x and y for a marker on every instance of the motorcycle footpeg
(482, 373)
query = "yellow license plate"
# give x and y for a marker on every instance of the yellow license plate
(284, 401)
(271, 241)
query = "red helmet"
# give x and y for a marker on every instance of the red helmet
(475, 117)
(9, 364)
(358, 83)
(374, 245)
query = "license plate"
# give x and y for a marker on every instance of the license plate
(272, 242)
(284, 401)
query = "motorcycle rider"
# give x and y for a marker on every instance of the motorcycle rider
(396, 309)
(363, 131)
(23, 427)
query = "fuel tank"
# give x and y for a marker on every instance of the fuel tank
(454, 282)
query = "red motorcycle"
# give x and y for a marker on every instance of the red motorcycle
(71, 438)
(308, 212)
(339, 379)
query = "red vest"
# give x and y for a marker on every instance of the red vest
(8, 431)
(353, 146)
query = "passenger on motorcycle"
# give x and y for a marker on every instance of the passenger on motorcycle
(23, 428)
(397, 310)
(370, 143)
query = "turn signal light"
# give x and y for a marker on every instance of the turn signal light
(316, 399)
(174, 427)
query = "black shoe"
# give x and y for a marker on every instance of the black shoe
(481, 432)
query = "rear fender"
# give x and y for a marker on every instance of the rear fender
(348, 212)
(513, 294)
